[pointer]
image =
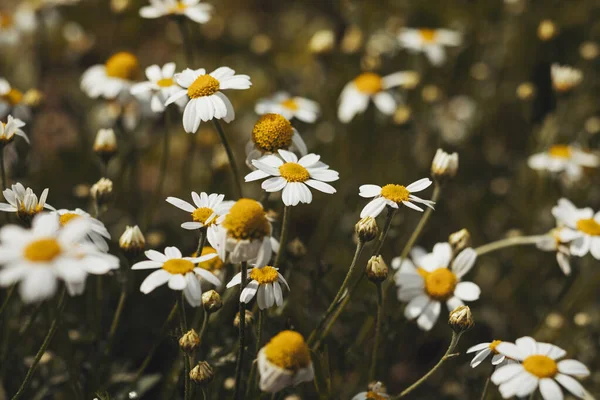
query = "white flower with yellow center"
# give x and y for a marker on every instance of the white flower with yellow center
(564, 158)
(192, 9)
(24, 202)
(208, 210)
(206, 101)
(12, 101)
(376, 393)
(565, 78)
(112, 78)
(40, 256)
(284, 361)
(554, 242)
(264, 284)
(539, 367)
(98, 232)
(355, 96)
(181, 273)
(293, 176)
(581, 228)
(483, 351)
(432, 281)
(429, 41)
(289, 107)
(159, 87)
(14, 25)
(10, 129)
(244, 234)
(393, 195)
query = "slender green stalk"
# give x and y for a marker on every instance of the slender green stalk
(237, 186)
(508, 242)
(446, 356)
(204, 325)
(384, 232)
(186, 361)
(373, 369)
(164, 163)
(204, 394)
(44, 347)
(2, 168)
(187, 42)
(99, 304)
(201, 242)
(252, 377)
(487, 384)
(116, 319)
(9, 293)
(238, 394)
(285, 227)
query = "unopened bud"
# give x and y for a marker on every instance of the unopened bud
(132, 241)
(105, 144)
(461, 319)
(444, 165)
(296, 248)
(377, 270)
(249, 319)
(202, 374)
(211, 301)
(547, 30)
(459, 240)
(322, 42)
(366, 229)
(190, 341)
(101, 191)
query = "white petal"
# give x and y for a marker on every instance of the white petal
(373, 208)
(288, 156)
(429, 316)
(147, 265)
(156, 256)
(571, 385)
(463, 263)
(550, 390)
(177, 282)
(479, 357)
(172, 252)
(274, 184)
(321, 186)
(255, 175)
(369, 191)
(249, 292)
(385, 102)
(527, 345)
(467, 291)
(506, 372)
(181, 204)
(573, 367)
(38, 284)
(510, 350)
(416, 306)
(419, 185)
(154, 280)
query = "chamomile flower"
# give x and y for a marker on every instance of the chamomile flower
(207, 211)
(293, 176)
(159, 87)
(393, 195)
(273, 132)
(284, 361)
(581, 228)
(432, 281)
(14, 25)
(40, 256)
(554, 242)
(355, 96)
(97, 232)
(113, 78)
(264, 284)
(206, 101)
(483, 350)
(289, 107)
(565, 78)
(538, 367)
(12, 101)
(244, 234)
(10, 129)
(24, 202)
(377, 392)
(214, 265)
(192, 9)
(564, 158)
(429, 41)
(179, 272)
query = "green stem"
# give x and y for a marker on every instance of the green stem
(487, 384)
(201, 242)
(187, 42)
(2, 168)
(99, 305)
(373, 369)
(204, 394)
(237, 186)
(259, 331)
(242, 333)
(285, 227)
(384, 232)
(9, 293)
(186, 361)
(116, 319)
(42, 350)
(508, 242)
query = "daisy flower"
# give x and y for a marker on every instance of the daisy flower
(581, 228)
(40, 256)
(264, 284)
(207, 211)
(429, 41)
(377, 392)
(273, 132)
(393, 195)
(289, 107)
(14, 25)
(564, 158)
(180, 272)
(432, 281)
(97, 233)
(244, 234)
(539, 367)
(11, 128)
(554, 242)
(24, 202)
(192, 9)
(565, 78)
(159, 87)
(206, 101)
(284, 361)
(13, 101)
(293, 176)
(112, 78)
(483, 350)
(355, 96)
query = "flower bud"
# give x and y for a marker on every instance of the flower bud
(190, 341)
(132, 241)
(459, 240)
(461, 319)
(202, 374)
(296, 248)
(105, 144)
(101, 191)
(377, 270)
(547, 30)
(444, 165)
(249, 319)
(366, 229)
(211, 301)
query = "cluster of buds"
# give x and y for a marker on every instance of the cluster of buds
(211, 301)
(366, 229)
(444, 165)
(377, 269)
(132, 241)
(461, 319)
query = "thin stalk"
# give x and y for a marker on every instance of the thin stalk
(2, 168)
(186, 361)
(187, 42)
(237, 186)
(285, 227)
(204, 325)
(9, 293)
(384, 232)
(99, 305)
(259, 331)
(42, 350)
(487, 384)
(373, 369)
(164, 163)
(446, 356)
(204, 394)
(508, 242)
(242, 333)
(116, 319)
(201, 242)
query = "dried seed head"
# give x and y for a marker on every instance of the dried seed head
(211, 301)
(459, 240)
(461, 319)
(366, 229)
(202, 374)
(249, 319)
(101, 191)
(132, 241)
(190, 341)
(444, 165)
(377, 270)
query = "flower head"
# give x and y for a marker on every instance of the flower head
(429, 41)
(11, 128)
(393, 195)
(555, 242)
(483, 350)
(289, 107)
(97, 233)
(444, 165)
(192, 9)
(265, 283)
(207, 211)
(132, 241)
(565, 78)
(24, 202)
(564, 159)
(112, 78)
(580, 227)
(159, 87)
(12, 100)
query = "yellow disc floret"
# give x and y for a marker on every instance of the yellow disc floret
(375, 396)
(493, 346)
(368, 83)
(395, 193)
(165, 82)
(202, 214)
(428, 35)
(288, 350)
(589, 226)
(204, 85)
(6, 20)
(560, 151)
(294, 172)
(42, 250)
(264, 275)
(13, 97)
(212, 265)
(439, 284)
(123, 65)
(540, 366)
(272, 132)
(67, 217)
(290, 104)
(178, 266)
(247, 220)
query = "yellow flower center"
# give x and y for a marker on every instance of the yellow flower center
(178, 266)
(439, 284)
(395, 193)
(374, 396)
(42, 250)
(368, 83)
(66, 218)
(288, 350)
(165, 82)
(290, 104)
(6, 20)
(560, 151)
(493, 346)
(179, 7)
(247, 220)
(123, 65)
(294, 172)
(589, 226)
(264, 275)
(214, 264)
(13, 97)
(428, 35)
(540, 366)
(272, 132)
(201, 215)
(204, 85)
